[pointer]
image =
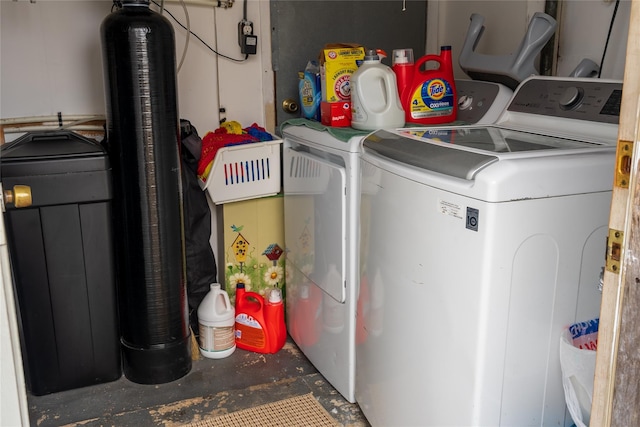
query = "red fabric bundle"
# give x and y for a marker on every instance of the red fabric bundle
(213, 141)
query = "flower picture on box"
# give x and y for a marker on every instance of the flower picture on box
(253, 240)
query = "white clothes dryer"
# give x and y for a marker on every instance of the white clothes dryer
(479, 245)
(321, 210)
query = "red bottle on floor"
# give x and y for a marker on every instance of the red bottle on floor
(260, 324)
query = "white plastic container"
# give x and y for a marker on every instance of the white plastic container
(375, 102)
(216, 321)
(243, 172)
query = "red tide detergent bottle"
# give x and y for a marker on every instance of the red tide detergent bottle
(260, 324)
(430, 97)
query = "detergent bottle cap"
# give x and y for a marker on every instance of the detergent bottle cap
(402, 56)
(371, 55)
(374, 55)
(275, 296)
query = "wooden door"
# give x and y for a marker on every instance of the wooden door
(13, 392)
(616, 398)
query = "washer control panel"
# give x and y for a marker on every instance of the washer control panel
(594, 100)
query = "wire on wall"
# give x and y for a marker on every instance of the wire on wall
(606, 45)
(200, 39)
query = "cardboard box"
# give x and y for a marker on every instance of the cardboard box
(336, 114)
(337, 63)
(254, 244)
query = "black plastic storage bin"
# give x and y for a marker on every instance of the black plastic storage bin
(62, 258)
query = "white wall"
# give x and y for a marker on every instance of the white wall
(582, 30)
(50, 61)
(448, 23)
(50, 54)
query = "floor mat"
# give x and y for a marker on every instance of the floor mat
(296, 411)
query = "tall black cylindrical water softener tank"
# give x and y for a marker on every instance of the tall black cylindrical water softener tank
(142, 139)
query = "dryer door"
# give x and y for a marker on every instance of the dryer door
(315, 219)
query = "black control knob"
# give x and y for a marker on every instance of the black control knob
(571, 98)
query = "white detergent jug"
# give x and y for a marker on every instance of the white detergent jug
(375, 102)
(216, 321)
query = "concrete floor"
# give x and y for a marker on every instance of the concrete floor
(212, 387)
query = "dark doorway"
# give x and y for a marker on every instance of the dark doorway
(300, 28)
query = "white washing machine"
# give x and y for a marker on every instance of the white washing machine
(321, 173)
(479, 245)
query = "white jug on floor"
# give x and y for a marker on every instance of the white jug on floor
(216, 321)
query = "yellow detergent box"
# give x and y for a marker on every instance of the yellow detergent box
(337, 63)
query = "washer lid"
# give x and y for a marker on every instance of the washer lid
(433, 157)
(465, 150)
(511, 167)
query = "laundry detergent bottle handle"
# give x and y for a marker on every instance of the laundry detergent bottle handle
(432, 98)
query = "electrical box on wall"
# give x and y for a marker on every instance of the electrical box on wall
(246, 39)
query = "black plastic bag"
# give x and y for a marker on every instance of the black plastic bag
(201, 263)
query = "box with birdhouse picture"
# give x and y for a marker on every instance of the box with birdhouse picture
(254, 245)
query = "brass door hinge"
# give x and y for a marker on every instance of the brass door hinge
(623, 164)
(614, 250)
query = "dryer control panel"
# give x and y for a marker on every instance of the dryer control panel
(481, 102)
